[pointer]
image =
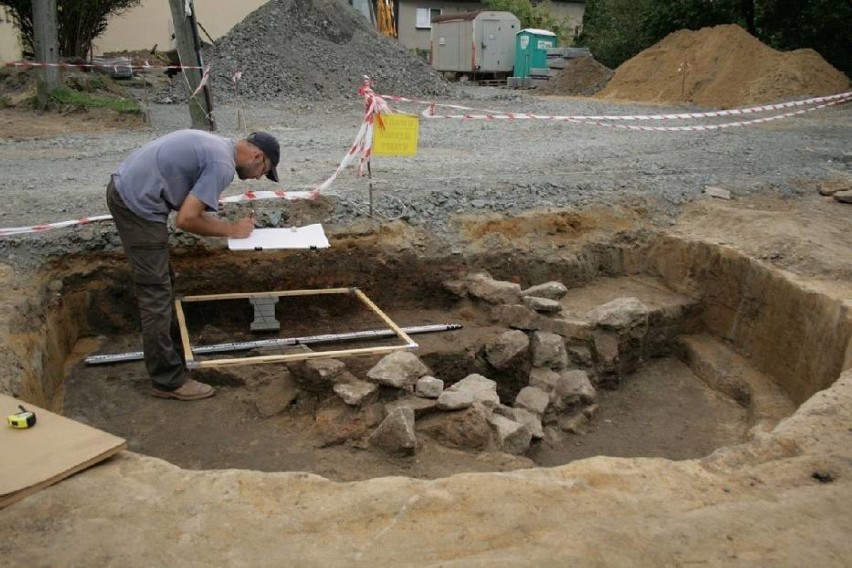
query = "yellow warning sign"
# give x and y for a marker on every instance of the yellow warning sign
(398, 137)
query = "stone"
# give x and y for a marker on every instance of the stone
(531, 421)
(319, 375)
(511, 437)
(717, 192)
(396, 434)
(484, 287)
(420, 406)
(606, 351)
(467, 429)
(570, 328)
(580, 355)
(400, 369)
(533, 399)
(573, 388)
(541, 305)
(275, 396)
(483, 389)
(549, 290)
(337, 422)
(621, 313)
(356, 392)
(574, 424)
(507, 348)
(516, 316)
(543, 378)
(843, 196)
(548, 350)
(429, 387)
(457, 288)
(455, 400)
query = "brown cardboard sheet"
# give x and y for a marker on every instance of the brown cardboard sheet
(55, 448)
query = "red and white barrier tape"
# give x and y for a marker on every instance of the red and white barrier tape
(375, 106)
(708, 127)
(145, 67)
(48, 226)
(482, 114)
(358, 153)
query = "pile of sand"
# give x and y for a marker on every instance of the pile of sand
(582, 76)
(722, 67)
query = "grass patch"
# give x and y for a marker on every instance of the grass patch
(68, 96)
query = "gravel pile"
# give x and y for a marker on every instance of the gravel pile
(309, 49)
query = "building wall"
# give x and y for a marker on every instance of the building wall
(10, 44)
(146, 25)
(150, 23)
(419, 38)
(572, 12)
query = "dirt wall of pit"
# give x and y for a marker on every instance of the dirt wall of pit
(799, 336)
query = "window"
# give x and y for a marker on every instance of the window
(424, 18)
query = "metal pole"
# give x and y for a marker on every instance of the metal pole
(370, 185)
(280, 342)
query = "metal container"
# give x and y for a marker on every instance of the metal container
(475, 43)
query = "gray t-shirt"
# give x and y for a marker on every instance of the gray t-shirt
(156, 178)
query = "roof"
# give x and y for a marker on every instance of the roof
(467, 16)
(536, 31)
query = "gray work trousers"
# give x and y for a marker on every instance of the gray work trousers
(146, 244)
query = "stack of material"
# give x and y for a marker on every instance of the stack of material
(561, 57)
(558, 58)
(580, 77)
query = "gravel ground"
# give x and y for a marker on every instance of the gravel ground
(461, 167)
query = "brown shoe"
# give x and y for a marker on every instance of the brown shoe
(190, 390)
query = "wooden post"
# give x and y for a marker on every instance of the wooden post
(46, 49)
(189, 51)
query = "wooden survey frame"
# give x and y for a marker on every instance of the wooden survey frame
(191, 363)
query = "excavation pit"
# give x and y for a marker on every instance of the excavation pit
(684, 344)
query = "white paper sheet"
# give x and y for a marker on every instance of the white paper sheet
(310, 236)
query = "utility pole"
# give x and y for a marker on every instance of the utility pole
(46, 49)
(189, 51)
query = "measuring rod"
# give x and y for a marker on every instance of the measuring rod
(280, 342)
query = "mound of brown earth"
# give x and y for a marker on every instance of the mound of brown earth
(582, 76)
(722, 67)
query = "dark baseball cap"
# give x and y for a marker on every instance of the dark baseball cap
(269, 146)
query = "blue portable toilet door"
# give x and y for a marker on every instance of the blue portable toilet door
(523, 57)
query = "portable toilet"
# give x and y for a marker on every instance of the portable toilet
(474, 42)
(531, 52)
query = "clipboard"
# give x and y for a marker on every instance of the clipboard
(307, 237)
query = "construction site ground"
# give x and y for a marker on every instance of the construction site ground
(693, 486)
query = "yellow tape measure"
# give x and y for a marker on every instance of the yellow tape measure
(22, 419)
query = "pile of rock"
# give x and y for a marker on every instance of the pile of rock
(309, 50)
(559, 359)
(548, 364)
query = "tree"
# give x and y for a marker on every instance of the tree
(538, 16)
(616, 30)
(79, 22)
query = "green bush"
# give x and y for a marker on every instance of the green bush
(67, 96)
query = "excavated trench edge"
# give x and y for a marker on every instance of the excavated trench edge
(797, 336)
